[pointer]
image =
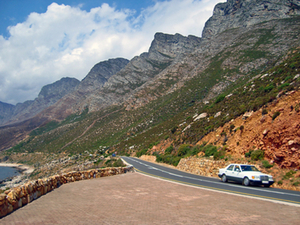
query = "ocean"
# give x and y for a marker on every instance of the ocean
(6, 172)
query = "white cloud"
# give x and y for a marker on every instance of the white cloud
(66, 41)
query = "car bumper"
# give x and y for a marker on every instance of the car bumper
(258, 182)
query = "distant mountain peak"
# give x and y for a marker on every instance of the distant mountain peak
(244, 13)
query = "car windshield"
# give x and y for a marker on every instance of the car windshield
(249, 168)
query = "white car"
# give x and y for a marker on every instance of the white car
(245, 174)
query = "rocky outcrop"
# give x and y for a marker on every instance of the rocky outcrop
(278, 138)
(19, 196)
(100, 74)
(244, 13)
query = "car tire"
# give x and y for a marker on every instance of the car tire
(224, 178)
(266, 185)
(246, 181)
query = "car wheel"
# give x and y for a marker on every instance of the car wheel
(246, 181)
(224, 178)
(267, 185)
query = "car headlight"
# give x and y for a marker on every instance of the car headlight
(255, 177)
(271, 178)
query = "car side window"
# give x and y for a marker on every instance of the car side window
(230, 167)
(237, 168)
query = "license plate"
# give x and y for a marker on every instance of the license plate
(265, 182)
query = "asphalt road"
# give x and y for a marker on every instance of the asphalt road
(274, 194)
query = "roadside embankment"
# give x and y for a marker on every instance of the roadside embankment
(19, 196)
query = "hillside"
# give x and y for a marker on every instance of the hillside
(182, 93)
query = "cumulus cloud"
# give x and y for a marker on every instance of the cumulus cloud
(67, 41)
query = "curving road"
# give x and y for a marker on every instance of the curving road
(274, 194)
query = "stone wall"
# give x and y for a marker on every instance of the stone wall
(19, 196)
(201, 166)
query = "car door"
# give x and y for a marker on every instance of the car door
(237, 174)
(229, 173)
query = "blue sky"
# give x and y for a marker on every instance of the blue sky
(16, 11)
(42, 41)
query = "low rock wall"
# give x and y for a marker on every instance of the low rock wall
(201, 166)
(17, 197)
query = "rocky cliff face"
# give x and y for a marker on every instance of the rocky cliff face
(164, 51)
(100, 74)
(244, 13)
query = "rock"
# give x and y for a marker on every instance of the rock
(202, 115)
(265, 132)
(247, 115)
(239, 13)
(217, 114)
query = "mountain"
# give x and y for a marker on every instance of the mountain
(244, 13)
(164, 51)
(178, 92)
(48, 95)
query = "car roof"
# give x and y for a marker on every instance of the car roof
(240, 164)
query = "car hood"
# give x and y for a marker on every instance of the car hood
(256, 173)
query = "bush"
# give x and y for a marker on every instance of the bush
(195, 150)
(264, 112)
(142, 152)
(248, 154)
(169, 159)
(276, 114)
(183, 149)
(118, 163)
(268, 88)
(266, 164)
(210, 150)
(280, 182)
(257, 155)
(169, 149)
(231, 128)
(220, 98)
(289, 174)
(219, 155)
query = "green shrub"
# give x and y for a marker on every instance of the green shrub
(210, 150)
(276, 114)
(169, 149)
(195, 150)
(183, 149)
(248, 154)
(288, 175)
(283, 86)
(268, 88)
(231, 128)
(296, 183)
(219, 154)
(264, 112)
(169, 159)
(242, 128)
(266, 164)
(257, 155)
(142, 152)
(220, 98)
(280, 182)
(118, 163)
